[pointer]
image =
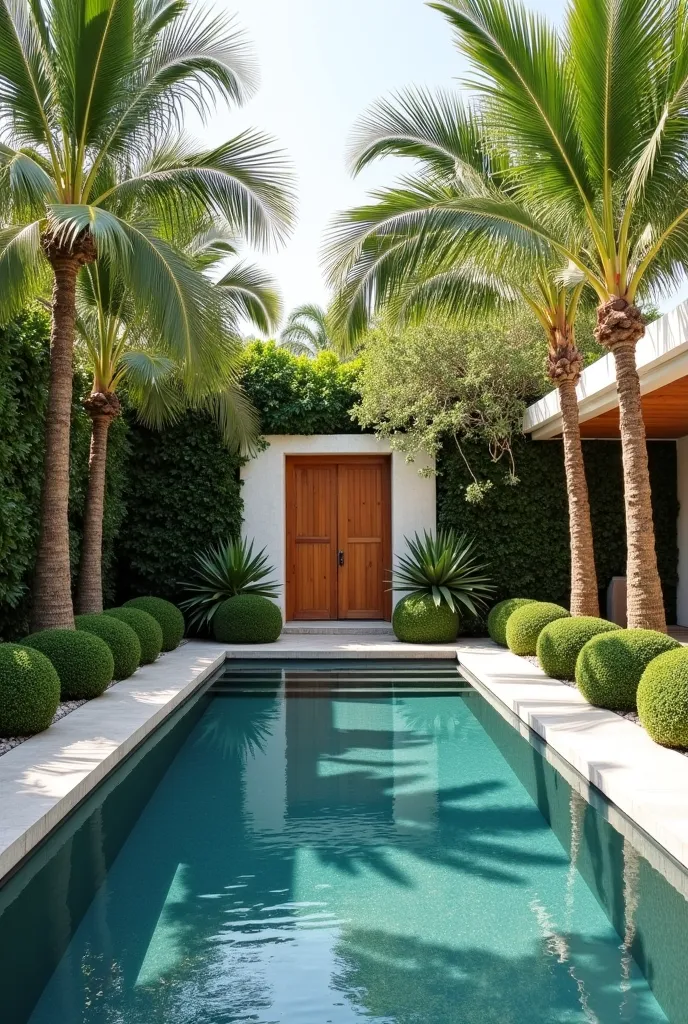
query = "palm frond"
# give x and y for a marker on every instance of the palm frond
(249, 293)
(222, 571)
(24, 272)
(447, 567)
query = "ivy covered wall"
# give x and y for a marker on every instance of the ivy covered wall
(522, 529)
(23, 394)
(169, 494)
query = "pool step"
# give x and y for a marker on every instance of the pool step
(332, 627)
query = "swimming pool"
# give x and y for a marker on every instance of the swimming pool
(330, 843)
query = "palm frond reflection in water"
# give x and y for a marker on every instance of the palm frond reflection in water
(238, 729)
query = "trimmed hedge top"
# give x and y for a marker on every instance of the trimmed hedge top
(560, 643)
(663, 698)
(418, 620)
(29, 691)
(82, 660)
(120, 638)
(499, 616)
(166, 614)
(247, 619)
(609, 667)
(147, 629)
(526, 623)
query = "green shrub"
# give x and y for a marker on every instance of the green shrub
(120, 638)
(29, 691)
(226, 570)
(609, 667)
(147, 629)
(418, 620)
(560, 643)
(83, 662)
(247, 619)
(663, 698)
(499, 616)
(525, 624)
(166, 614)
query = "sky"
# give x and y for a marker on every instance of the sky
(322, 64)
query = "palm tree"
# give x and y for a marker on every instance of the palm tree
(91, 98)
(307, 331)
(595, 121)
(122, 347)
(397, 254)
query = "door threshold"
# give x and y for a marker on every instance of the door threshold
(372, 627)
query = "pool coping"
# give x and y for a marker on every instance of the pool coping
(43, 780)
(645, 782)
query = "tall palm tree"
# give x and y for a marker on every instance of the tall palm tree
(123, 348)
(91, 97)
(595, 118)
(307, 331)
(398, 254)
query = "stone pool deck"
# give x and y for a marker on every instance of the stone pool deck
(45, 778)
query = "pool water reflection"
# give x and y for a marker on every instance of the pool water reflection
(362, 856)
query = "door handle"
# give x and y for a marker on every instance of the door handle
(340, 557)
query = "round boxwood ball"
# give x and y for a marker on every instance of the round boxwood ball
(663, 698)
(147, 629)
(120, 638)
(418, 620)
(247, 619)
(83, 662)
(610, 665)
(526, 623)
(165, 613)
(561, 641)
(499, 616)
(29, 691)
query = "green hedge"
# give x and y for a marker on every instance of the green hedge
(522, 529)
(83, 661)
(300, 395)
(29, 691)
(167, 615)
(183, 493)
(663, 698)
(417, 620)
(24, 345)
(247, 619)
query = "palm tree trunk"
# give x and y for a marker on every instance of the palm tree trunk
(52, 597)
(620, 327)
(584, 593)
(102, 407)
(564, 365)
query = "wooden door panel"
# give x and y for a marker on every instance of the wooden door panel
(363, 538)
(338, 503)
(311, 540)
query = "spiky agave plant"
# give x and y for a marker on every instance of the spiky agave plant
(445, 566)
(226, 570)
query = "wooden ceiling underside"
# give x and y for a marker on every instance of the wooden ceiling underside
(665, 412)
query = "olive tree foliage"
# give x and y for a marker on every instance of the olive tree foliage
(423, 384)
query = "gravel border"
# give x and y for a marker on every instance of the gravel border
(64, 708)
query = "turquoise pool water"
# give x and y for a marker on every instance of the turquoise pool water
(378, 846)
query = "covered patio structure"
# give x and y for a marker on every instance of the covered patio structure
(662, 358)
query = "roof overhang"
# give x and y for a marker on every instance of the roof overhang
(662, 360)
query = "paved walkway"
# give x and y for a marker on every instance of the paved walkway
(643, 780)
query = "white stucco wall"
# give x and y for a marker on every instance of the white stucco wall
(413, 496)
(682, 487)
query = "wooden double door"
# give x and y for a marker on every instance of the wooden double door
(338, 537)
